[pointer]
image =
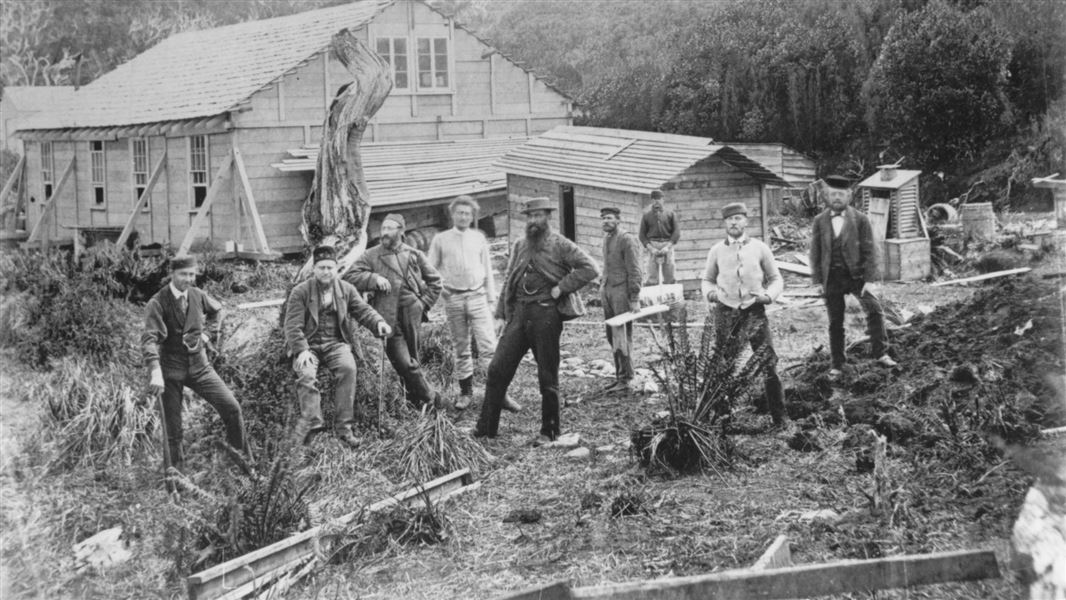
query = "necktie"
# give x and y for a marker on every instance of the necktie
(183, 304)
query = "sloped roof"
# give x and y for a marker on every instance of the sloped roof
(32, 98)
(403, 173)
(621, 159)
(204, 73)
(898, 180)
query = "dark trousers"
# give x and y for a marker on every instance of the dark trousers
(758, 335)
(338, 358)
(616, 302)
(402, 350)
(195, 371)
(534, 326)
(839, 285)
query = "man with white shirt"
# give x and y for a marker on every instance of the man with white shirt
(178, 322)
(461, 255)
(844, 260)
(741, 278)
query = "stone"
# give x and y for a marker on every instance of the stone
(579, 453)
(102, 550)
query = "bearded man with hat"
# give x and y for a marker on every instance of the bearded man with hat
(845, 260)
(620, 291)
(741, 278)
(179, 323)
(544, 273)
(318, 330)
(404, 287)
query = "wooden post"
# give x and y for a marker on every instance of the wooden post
(132, 220)
(12, 207)
(201, 214)
(249, 201)
(49, 206)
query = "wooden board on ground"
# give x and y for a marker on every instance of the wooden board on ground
(261, 304)
(778, 555)
(794, 268)
(1017, 271)
(628, 317)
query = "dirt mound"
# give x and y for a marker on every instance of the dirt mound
(988, 366)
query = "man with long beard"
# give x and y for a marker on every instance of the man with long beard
(543, 276)
(404, 287)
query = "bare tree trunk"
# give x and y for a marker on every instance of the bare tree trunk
(337, 209)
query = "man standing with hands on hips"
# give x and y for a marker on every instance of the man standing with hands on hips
(844, 260)
(659, 233)
(741, 278)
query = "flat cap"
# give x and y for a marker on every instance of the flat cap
(610, 210)
(656, 194)
(184, 261)
(837, 181)
(540, 203)
(734, 208)
(323, 253)
(396, 218)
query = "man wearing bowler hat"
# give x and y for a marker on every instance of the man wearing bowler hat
(179, 322)
(844, 260)
(544, 273)
(404, 287)
(620, 291)
(318, 330)
(741, 278)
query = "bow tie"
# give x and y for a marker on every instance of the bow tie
(838, 214)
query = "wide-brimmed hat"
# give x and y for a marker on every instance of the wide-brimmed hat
(542, 203)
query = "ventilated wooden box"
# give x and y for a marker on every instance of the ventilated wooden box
(906, 259)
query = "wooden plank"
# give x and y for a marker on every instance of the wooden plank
(559, 590)
(777, 555)
(261, 304)
(219, 579)
(249, 201)
(132, 219)
(849, 576)
(878, 211)
(49, 206)
(16, 176)
(628, 317)
(201, 214)
(794, 268)
(994, 275)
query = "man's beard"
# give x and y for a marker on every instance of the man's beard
(390, 241)
(536, 231)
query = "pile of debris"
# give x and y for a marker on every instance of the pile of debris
(987, 368)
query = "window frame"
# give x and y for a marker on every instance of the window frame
(98, 174)
(48, 172)
(390, 59)
(206, 183)
(449, 70)
(139, 187)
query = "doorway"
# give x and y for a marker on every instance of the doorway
(568, 214)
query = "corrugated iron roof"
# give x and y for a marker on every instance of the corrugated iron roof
(621, 159)
(204, 73)
(402, 173)
(899, 179)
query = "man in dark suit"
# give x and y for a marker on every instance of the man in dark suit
(318, 329)
(844, 260)
(179, 322)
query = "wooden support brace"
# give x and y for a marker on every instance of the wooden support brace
(49, 206)
(249, 202)
(15, 177)
(201, 214)
(145, 195)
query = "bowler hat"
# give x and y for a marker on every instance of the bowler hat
(734, 208)
(184, 261)
(837, 181)
(540, 203)
(323, 253)
(610, 210)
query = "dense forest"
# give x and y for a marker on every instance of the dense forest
(965, 90)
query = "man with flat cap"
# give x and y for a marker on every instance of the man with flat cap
(318, 330)
(544, 273)
(179, 322)
(620, 291)
(659, 233)
(845, 260)
(404, 287)
(741, 278)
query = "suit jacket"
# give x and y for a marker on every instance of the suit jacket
(557, 257)
(861, 254)
(621, 263)
(411, 277)
(169, 336)
(301, 313)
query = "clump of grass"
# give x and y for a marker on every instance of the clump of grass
(703, 385)
(433, 447)
(436, 353)
(402, 526)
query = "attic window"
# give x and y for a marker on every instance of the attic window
(98, 172)
(433, 63)
(394, 51)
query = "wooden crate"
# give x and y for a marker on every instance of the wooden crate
(906, 259)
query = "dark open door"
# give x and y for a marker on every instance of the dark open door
(568, 214)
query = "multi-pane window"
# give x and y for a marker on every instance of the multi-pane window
(47, 168)
(394, 51)
(139, 150)
(98, 172)
(433, 63)
(198, 161)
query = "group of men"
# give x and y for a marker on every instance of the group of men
(544, 273)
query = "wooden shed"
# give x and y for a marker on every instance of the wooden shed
(890, 198)
(587, 168)
(180, 143)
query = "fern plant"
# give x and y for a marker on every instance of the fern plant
(703, 383)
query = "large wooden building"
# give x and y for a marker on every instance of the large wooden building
(187, 143)
(587, 168)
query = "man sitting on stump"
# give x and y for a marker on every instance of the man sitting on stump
(179, 322)
(404, 287)
(318, 330)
